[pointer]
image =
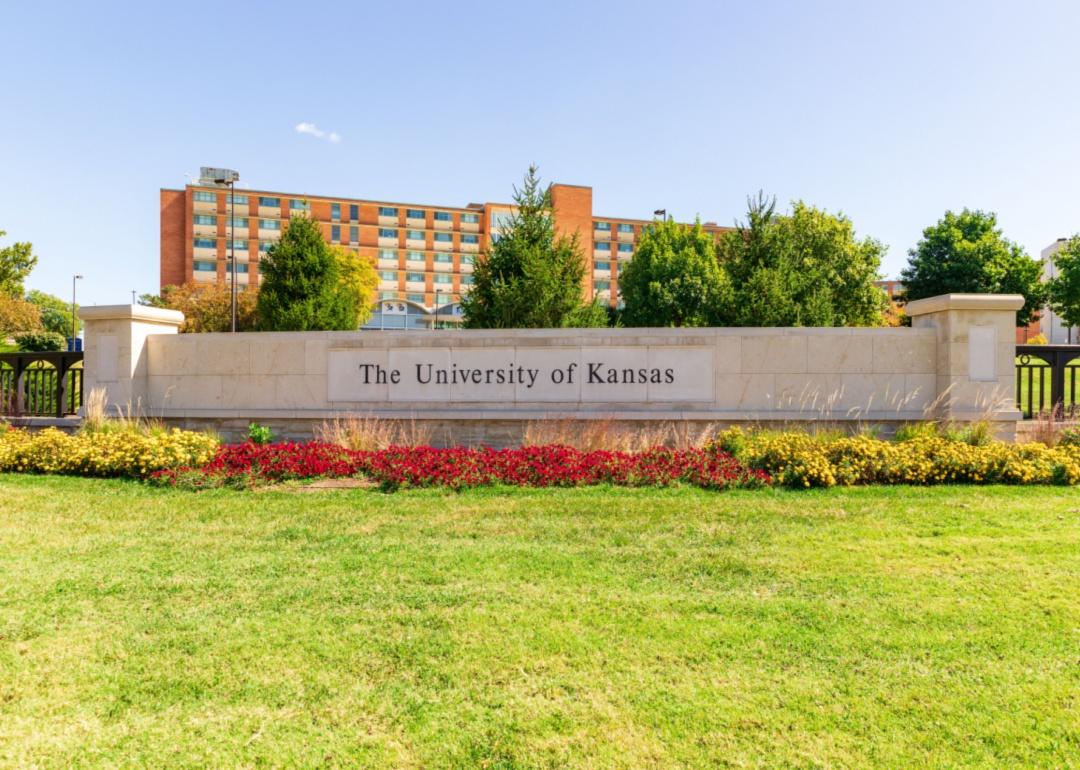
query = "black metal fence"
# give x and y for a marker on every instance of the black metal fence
(40, 384)
(1046, 380)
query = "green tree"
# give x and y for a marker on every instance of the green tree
(16, 262)
(802, 269)
(359, 278)
(55, 312)
(967, 253)
(674, 279)
(1064, 288)
(530, 278)
(302, 285)
(17, 315)
(207, 307)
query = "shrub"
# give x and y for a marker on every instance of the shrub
(1069, 437)
(130, 453)
(40, 342)
(260, 434)
(923, 456)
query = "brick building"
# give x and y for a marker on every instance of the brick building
(424, 253)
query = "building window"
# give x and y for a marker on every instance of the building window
(469, 238)
(273, 202)
(470, 219)
(269, 224)
(443, 278)
(335, 212)
(414, 214)
(335, 233)
(354, 212)
(444, 237)
(354, 234)
(387, 232)
(466, 259)
(501, 219)
(626, 248)
(602, 246)
(240, 222)
(237, 245)
(415, 256)
(626, 228)
(602, 285)
(417, 298)
(205, 197)
(443, 216)
(388, 275)
(241, 267)
(204, 243)
(204, 266)
(602, 265)
(387, 211)
(414, 277)
(466, 280)
(205, 219)
(239, 200)
(444, 258)
(265, 246)
(414, 235)
(388, 254)
(298, 205)
(605, 226)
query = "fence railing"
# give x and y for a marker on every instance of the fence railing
(1047, 381)
(40, 384)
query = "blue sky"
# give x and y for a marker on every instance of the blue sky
(891, 113)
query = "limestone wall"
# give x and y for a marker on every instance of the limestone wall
(955, 361)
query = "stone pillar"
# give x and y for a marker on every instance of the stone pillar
(115, 345)
(976, 355)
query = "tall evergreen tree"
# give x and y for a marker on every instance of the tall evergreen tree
(530, 278)
(302, 288)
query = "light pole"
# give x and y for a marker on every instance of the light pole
(229, 180)
(662, 213)
(74, 278)
(435, 324)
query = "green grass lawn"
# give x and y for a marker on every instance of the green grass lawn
(535, 629)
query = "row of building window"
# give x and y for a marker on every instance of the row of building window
(439, 216)
(443, 278)
(418, 235)
(606, 227)
(442, 300)
(205, 266)
(625, 248)
(335, 230)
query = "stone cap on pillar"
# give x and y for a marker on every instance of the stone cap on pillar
(944, 302)
(143, 313)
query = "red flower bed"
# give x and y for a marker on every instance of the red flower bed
(460, 467)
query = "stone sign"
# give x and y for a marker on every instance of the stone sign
(522, 374)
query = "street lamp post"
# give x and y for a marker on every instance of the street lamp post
(74, 278)
(229, 179)
(662, 213)
(435, 324)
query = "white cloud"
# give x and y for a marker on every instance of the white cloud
(318, 133)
